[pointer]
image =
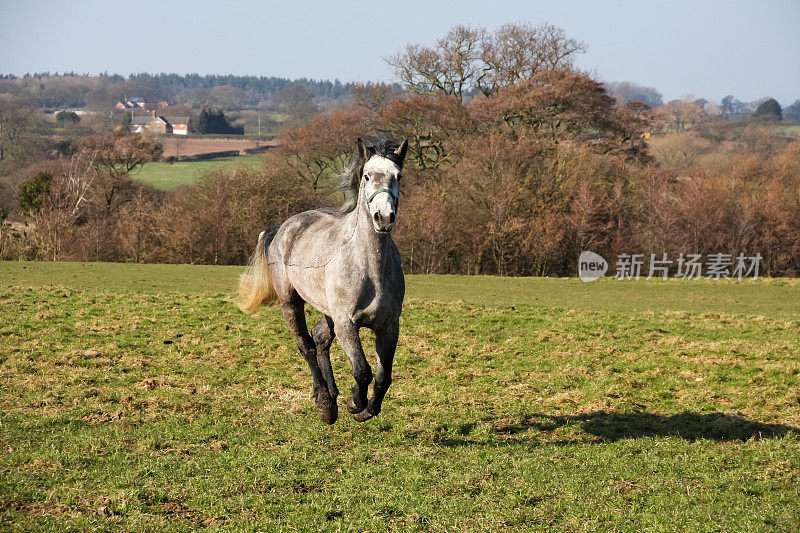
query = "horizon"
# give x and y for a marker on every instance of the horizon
(708, 51)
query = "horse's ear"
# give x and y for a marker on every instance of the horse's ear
(362, 152)
(401, 151)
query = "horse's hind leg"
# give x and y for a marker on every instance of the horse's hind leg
(296, 320)
(323, 335)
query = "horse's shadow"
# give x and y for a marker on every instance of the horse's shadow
(614, 426)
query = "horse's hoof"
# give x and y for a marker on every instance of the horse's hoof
(363, 416)
(327, 410)
(352, 408)
(328, 416)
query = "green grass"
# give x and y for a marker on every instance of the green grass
(139, 398)
(789, 129)
(170, 175)
(776, 297)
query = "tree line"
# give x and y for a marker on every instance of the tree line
(46, 90)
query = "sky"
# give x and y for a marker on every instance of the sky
(707, 48)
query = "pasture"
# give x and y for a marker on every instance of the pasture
(138, 397)
(177, 145)
(789, 129)
(166, 176)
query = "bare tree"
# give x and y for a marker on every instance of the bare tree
(319, 152)
(627, 91)
(517, 52)
(683, 114)
(472, 59)
(450, 67)
(119, 154)
(428, 122)
(16, 124)
(373, 96)
(298, 103)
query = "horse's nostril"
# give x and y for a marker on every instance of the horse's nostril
(391, 218)
(376, 217)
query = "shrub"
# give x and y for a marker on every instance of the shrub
(32, 193)
(67, 117)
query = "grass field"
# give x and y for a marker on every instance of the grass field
(177, 145)
(139, 398)
(789, 129)
(170, 175)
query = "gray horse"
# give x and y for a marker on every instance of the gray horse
(345, 264)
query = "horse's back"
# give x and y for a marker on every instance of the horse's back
(309, 238)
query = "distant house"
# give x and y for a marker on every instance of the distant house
(179, 125)
(131, 103)
(148, 123)
(158, 124)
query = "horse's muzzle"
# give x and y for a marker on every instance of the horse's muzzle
(383, 222)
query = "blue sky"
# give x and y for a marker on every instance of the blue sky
(708, 48)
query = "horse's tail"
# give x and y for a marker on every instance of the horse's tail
(255, 285)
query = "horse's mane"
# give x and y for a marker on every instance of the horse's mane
(348, 183)
(350, 177)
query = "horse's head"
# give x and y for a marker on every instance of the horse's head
(380, 183)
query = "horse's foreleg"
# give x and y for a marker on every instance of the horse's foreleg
(323, 337)
(385, 346)
(296, 320)
(347, 332)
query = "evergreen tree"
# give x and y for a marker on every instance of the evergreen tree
(769, 110)
(31, 193)
(212, 120)
(67, 117)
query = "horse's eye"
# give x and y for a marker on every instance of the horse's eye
(366, 177)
